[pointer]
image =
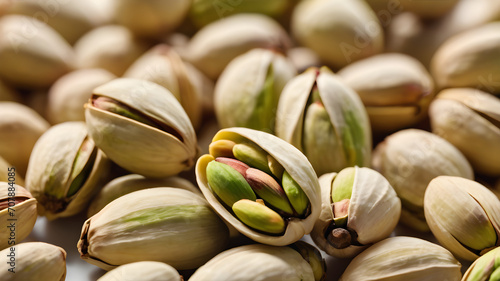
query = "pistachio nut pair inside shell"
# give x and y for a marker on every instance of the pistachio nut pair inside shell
(485, 267)
(260, 184)
(141, 127)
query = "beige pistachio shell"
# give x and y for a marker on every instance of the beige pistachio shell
(403, 259)
(130, 183)
(470, 120)
(396, 89)
(373, 213)
(345, 111)
(245, 263)
(148, 150)
(62, 184)
(20, 127)
(164, 66)
(8, 94)
(18, 211)
(484, 268)
(409, 160)
(340, 32)
(165, 224)
(247, 92)
(111, 47)
(463, 215)
(292, 160)
(70, 92)
(470, 59)
(144, 271)
(6, 168)
(215, 45)
(33, 55)
(151, 18)
(34, 261)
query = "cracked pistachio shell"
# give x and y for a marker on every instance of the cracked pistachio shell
(151, 18)
(130, 183)
(164, 66)
(16, 200)
(256, 262)
(218, 43)
(396, 89)
(33, 55)
(65, 170)
(148, 150)
(373, 211)
(409, 160)
(69, 93)
(165, 224)
(247, 92)
(144, 271)
(34, 261)
(340, 32)
(20, 127)
(403, 259)
(470, 120)
(470, 59)
(4, 176)
(351, 143)
(485, 267)
(463, 215)
(292, 160)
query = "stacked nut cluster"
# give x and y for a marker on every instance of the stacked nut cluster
(242, 140)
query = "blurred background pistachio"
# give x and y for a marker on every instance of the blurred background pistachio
(144, 271)
(340, 32)
(65, 170)
(463, 215)
(470, 120)
(425, 9)
(485, 267)
(326, 120)
(7, 93)
(303, 58)
(69, 93)
(409, 160)
(247, 92)
(358, 208)
(396, 90)
(5, 166)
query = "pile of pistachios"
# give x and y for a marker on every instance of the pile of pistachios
(250, 140)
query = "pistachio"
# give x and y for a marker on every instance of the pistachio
(160, 142)
(303, 58)
(403, 259)
(396, 90)
(5, 166)
(326, 120)
(17, 207)
(34, 261)
(340, 32)
(313, 257)
(69, 93)
(144, 271)
(463, 215)
(221, 148)
(130, 183)
(65, 170)
(277, 211)
(177, 227)
(215, 45)
(409, 160)
(359, 208)
(470, 120)
(247, 92)
(485, 267)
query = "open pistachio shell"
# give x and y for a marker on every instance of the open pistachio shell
(373, 212)
(463, 215)
(160, 140)
(18, 211)
(326, 120)
(165, 224)
(470, 120)
(485, 267)
(65, 170)
(403, 259)
(247, 92)
(409, 160)
(33, 261)
(293, 162)
(268, 263)
(144, 271)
